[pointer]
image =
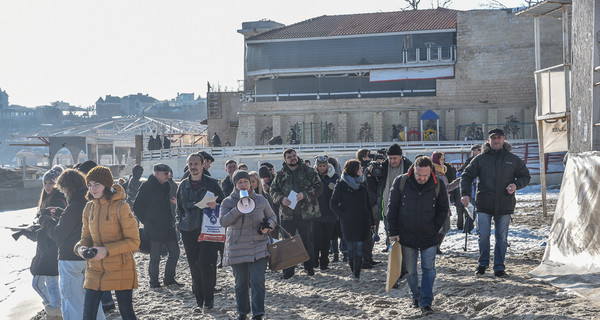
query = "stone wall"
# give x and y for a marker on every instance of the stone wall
(493, 80)
(226, 126)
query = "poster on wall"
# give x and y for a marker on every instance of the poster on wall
(555, 134)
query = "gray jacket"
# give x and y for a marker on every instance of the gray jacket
(243, 242)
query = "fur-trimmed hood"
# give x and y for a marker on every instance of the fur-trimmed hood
(488, 148)
(330, 170)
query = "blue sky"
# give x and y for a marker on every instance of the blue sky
(80, 50)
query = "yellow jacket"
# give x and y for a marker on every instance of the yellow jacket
(118, 232)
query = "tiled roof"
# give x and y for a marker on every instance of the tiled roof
(365, 23)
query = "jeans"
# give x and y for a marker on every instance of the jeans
(321, 241)
(355, 249)
(92, 298)
(423, 293)
(304, 228)
(47, 288)
(107, 299)
(250, 275)
(72, 276)
(155, 249)
(484, 224)
(202, 260)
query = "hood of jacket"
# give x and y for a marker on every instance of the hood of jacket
(488, 148)
(330, 170)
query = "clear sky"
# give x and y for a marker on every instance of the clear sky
(79, 50)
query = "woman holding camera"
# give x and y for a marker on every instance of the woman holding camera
(66, 231)
(108, 239)
(246, 245)
(44, 266)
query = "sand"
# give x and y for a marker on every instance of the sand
(332, 294)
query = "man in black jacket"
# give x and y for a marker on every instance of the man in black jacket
(201, 256)
(500, 174)
(380, 179)
(226, 184)
(464, 221)
(152, 207)
(416, 212)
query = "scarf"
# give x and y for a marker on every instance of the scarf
(441, 169)
(353, 182)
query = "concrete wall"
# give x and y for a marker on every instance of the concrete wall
(19, 198)
(493, 80)
(226, 125)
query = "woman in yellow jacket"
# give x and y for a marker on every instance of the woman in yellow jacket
(108, 239)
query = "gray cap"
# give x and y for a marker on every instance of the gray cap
(162, 167)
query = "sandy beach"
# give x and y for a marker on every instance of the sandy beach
(332, 294)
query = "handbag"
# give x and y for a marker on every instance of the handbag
(286, 253)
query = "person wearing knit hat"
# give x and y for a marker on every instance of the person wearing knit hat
(86, 166)
(394, 150)
(44, 266)
(109, 237)
(240, 174)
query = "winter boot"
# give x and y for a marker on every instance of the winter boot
(351, 263)
(53, 313)
(336, 257)
(357, 266)
(440, 240)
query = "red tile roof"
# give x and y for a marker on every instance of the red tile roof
(365, 23)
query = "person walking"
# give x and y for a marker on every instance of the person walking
(350, 202)
(323, 226)
(246, 246)
(417, 209)
(201, 256)
(109, 237)
(66, 231)
(464, 221)
(500, 174)
(297, 179)
(152, 207)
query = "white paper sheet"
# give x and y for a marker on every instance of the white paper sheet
(293, 199)
(208, 197)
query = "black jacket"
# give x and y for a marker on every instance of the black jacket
(353, 207)
(329, 180)
(66, 231)
(189, 217)
(417, 215)
(153, 208)
(377, 185)
(45, 261)
(227, 186)
(496, 169)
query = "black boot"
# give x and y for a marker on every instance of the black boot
(336, 257)
(440, 240)
(351, 263)
(357, 267)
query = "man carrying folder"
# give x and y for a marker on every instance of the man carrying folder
(417, 210)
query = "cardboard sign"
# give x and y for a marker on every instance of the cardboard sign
(394, 266)
(211, 226)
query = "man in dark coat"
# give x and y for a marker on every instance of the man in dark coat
(133, 184)
(208, 160)
(464, 221)
(227, 186)
(152, 207)
(201, 256)
(379, 182)
(323, 226)
(416, 212)
(500, 174)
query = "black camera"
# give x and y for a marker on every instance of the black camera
(89, 253)
(264, 225)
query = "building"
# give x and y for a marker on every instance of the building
(3, 100)
(109, 107)
(358, 77)
(134, 104)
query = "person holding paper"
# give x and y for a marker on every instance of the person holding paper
(417, 209)
(202, 256)
(302, 184)
(246, 245)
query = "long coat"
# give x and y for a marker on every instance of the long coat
(103, 226)
(45, 261)
(329, 180)
(66, 231)
(153, 207)
(244, 243)
(353, 207)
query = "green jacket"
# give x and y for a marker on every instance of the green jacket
(310, 185)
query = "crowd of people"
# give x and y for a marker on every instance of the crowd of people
(89, 226)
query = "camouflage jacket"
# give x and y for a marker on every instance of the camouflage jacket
(310, 185)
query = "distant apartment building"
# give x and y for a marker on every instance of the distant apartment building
(136, 103)
(336, 77)
(108, 107)
(3, 99)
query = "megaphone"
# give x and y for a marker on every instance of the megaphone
(246, 204)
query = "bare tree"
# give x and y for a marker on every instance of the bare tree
(414, 4)
(497, 4)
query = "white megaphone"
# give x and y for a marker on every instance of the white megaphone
(246, 204)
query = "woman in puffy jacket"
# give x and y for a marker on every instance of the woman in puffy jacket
(246, 245)
(110, 228)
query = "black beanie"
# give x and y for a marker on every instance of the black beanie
(239, 174)
(394, 150)
(87, 166)
(264, 172)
